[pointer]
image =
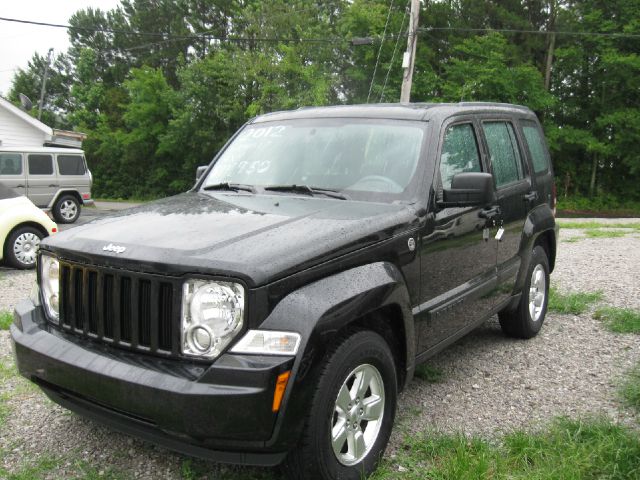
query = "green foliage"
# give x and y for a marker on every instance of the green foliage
(630, 389)
(6, 319)
(429, 374)
(472, 74)
(619, 320)
(568, 449)
(572, 303)
(155, 109)
(603, 203)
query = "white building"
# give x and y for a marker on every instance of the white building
(19, 129)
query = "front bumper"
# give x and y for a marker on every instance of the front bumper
(220, 411)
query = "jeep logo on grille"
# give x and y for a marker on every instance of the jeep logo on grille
(114, 248)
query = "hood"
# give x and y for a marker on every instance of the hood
(257, 238)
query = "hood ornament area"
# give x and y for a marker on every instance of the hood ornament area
(114, 248)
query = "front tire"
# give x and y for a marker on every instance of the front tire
(22, 247)
(351, 414)
(527, 319)
(66, 209)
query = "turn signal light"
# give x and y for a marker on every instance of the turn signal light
(281, 385)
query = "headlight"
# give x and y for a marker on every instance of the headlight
(212, 315)
(50, 285)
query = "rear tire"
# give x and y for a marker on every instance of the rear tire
(22, 247)
(351, 414)
(66, 209)
(527, 319)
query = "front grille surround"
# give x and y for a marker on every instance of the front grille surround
(130, 310)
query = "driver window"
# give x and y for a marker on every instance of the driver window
(459, 153)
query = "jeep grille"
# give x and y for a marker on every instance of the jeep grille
(126, 309)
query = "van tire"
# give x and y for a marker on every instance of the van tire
(66, 209)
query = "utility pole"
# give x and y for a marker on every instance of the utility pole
(44, 83)
(409, 58)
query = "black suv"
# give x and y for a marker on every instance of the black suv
(273, 312)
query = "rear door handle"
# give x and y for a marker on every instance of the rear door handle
(531, 196)
(52, 186)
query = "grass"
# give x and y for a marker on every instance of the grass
(6, 319)
(619, 320)
(592, 225)
(192, 469)
(568, 449)
(429, 374)
(573, 303)
(630, 390)
(45, 467)
(595, 233)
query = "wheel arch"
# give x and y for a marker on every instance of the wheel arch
(16, 227)
(372, 297)
(63, 192)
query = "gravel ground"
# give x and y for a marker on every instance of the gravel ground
(491, 384)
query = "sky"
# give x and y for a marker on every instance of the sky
(18, 41)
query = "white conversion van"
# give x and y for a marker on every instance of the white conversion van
(53, 178)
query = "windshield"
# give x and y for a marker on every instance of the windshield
(362, 158)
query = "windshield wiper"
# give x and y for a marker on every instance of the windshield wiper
(307, 189)
(234, 187)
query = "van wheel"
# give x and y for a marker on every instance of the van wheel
(21, 248)
(351, 414)
(66, 209)
(526, 320)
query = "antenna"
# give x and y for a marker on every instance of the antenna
(25, 101)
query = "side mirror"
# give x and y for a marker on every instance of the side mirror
(200, 171)
(469, 189)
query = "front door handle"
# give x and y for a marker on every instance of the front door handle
(19, 186)
(531, 196)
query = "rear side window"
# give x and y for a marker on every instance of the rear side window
(503, 150)
(459, 153)
(539, 156)
(10, 164)
(40, 164)
(70, 165)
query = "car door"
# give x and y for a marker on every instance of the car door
(458, 261)
(514, 195)
(12, 172)
(42, 182)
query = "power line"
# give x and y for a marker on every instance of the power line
(384, 33)
(166, 37)
(395, 49)
(538, 32)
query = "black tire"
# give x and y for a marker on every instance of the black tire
(314, 457)
(21, 247)
(66, 209)
(519, 323)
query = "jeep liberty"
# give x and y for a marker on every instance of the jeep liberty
(272, 313)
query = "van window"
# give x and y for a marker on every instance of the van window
(539, 156)
(503, 150)
(10, 164)
(40, 164)
(70, 165)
